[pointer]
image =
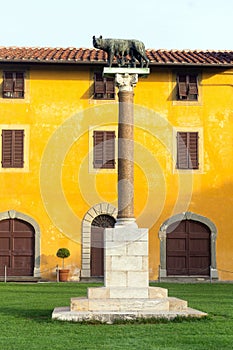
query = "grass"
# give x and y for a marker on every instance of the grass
(25, 321)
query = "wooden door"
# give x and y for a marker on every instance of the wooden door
(97, 243)
(17, 244)
(97, 251)
(188, 249)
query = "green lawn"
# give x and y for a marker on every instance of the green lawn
(26, 324)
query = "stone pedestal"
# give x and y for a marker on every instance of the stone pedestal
(126, 294)
(126, 262)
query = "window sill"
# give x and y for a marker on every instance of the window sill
(188, 171)
(186, 103)
(14, 100)
(102, 170)
(14, 170)
(101, 101)
(104, 98)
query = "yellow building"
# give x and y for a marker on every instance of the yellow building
(58, 120)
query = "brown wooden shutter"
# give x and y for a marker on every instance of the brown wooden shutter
(12, 148)
(104, 149)
(110, 86)
(8, 82)
(7, 139)
(193, 87)
(19, 82)
(193, 150)
(182, 85)
(98, 148)
(99, 84)
(182, 150)
(109, 156)
(187, 150)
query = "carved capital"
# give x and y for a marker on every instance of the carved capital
(126, 82)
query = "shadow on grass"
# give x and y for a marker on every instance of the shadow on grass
(37, 315)
(45, 316)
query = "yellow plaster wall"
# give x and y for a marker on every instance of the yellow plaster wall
(207, 192)
(59, 188)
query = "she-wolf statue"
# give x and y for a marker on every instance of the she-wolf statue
(121, 49)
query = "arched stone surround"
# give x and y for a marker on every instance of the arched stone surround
(96, 210)
(187, 216)
(13, 214)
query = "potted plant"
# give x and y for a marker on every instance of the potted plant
(63, 253)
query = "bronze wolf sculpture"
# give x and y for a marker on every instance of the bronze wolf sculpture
(121, 48)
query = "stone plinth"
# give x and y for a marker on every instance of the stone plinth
(126, 258)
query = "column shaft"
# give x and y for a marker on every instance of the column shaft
(126, 155)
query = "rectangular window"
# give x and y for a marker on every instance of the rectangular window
(187, 87)
(187, 150)
(12, 148)
(104, 149)
(13, 85)
(104, 88)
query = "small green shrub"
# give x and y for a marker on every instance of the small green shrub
(63, 253)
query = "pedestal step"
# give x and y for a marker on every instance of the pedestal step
(128, 304)
(109, 317)
(176, 304)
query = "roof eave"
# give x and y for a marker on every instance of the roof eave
(228, 65)
(78, 62)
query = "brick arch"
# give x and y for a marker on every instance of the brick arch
(178, 218)
(13, 214)
(96, 210)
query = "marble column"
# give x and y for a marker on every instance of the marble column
(126, 83)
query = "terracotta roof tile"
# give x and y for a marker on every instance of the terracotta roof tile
(82, 55)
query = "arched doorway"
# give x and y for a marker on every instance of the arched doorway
(97, 211)
(188, 246)
(21, 223)
(188, 249)
(17, 248)
(97, 243)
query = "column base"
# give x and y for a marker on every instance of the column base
(130, 222)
